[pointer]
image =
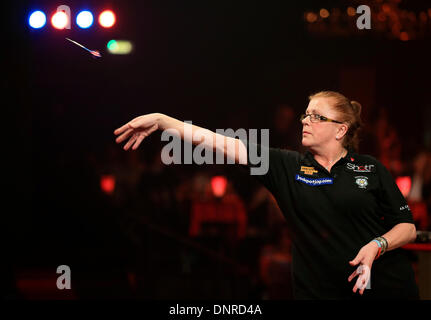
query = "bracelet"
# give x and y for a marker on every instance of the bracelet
(379, 244)
(384, 243)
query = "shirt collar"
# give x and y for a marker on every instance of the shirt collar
(348, 157)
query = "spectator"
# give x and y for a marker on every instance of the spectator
(420, 193)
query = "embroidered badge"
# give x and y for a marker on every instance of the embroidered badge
(360, 168)
(362, 182)
(314, 182)
(308, 170)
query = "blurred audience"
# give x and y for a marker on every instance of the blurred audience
(389, 144)
(419, 197)
(217, 211)
(285, 130)
(275, 266)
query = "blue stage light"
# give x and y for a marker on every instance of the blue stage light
(37, 19)
(84, 19)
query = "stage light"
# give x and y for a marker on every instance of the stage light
(351, 11)
(60, 20)
(84, 19)
(112, 46)
(107, 19)
(119, 46)
(324, 13)
(107, 183)
(311, 17)
(218, 185)
(37, 19)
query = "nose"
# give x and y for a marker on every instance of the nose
(306, 120)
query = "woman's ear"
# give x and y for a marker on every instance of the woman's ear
(342, 130)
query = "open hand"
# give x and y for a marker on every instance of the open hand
(364, 258)
(137, 130)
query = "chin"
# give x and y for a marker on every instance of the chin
(305, 143)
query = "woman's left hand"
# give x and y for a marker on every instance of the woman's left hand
(365, 259)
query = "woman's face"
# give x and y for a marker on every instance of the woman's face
(318, 134)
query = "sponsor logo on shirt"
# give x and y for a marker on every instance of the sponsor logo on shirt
(404, 207)
(362, 182)
(314, 182)
(360, 168)
(308, 170)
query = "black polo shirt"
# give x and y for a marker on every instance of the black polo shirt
(331, 216)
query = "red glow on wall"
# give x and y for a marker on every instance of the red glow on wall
(404, 184)
(107, 183)
(218, 185)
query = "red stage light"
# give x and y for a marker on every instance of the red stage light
(218, 185)
(107, 19)
(107, 183)
(59, 20)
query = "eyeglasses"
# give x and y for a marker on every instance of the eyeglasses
(317, 118)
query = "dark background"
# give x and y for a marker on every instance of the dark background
(221, 64)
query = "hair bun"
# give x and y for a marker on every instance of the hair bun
(356, 107)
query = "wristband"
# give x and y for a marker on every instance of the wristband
(379, 244)
(384, 243)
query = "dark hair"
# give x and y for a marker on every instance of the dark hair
(350, 113)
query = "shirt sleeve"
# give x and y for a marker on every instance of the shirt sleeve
(393, 204)
(275, 165)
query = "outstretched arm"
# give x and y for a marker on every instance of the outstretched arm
(141, 127)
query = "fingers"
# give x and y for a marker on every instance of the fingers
(363, 270)
(122, 129)
(355, 288)
(131, 130)
(358, 281)
(354, 274)
(364, 277)
(361, 291)
(361, 284)
(143, 135)
(130, 142)
(124, 136)
(356, 261)
(138, 141)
